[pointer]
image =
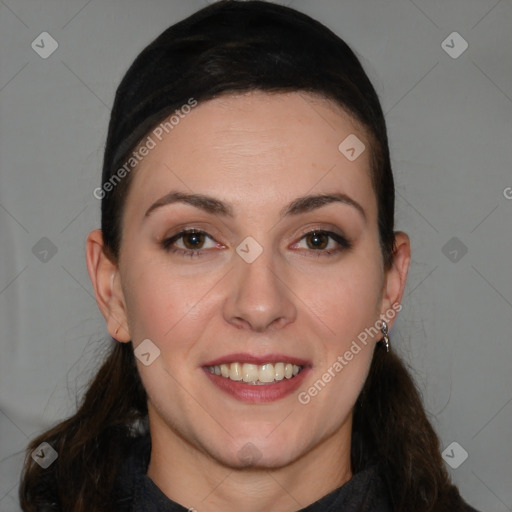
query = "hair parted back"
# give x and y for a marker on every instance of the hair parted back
(235, 47)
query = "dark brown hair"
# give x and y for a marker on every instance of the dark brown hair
(225, 48)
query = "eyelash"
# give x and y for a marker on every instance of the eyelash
(343, 243)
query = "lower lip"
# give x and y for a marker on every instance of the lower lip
(251, 393)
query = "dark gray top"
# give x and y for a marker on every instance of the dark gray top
(364, 492)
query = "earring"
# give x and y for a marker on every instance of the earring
(385, 339)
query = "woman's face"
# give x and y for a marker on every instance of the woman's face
(273, 274)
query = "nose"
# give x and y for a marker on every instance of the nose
(258, 297)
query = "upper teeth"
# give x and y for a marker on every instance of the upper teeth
(254, 373)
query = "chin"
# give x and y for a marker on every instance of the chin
(258, 453)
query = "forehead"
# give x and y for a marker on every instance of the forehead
(248, 147)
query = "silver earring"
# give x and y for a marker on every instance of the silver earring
(385, 339)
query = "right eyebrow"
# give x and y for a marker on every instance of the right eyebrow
(203, 202)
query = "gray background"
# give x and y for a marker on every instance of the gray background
(449, 123)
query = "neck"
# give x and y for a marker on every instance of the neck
(215, 486)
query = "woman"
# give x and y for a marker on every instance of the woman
(248, 271)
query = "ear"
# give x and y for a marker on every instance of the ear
(395, 278)
(105, 279)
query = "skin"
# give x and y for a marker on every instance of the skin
(257, 153)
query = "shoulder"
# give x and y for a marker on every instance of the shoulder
(364, 492)
(135, 491)
(133, 468)
(468, 508)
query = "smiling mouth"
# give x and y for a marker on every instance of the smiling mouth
(256, 374)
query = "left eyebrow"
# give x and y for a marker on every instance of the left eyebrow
(312, 202)
(214, 206)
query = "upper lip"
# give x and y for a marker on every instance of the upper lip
(259, 359)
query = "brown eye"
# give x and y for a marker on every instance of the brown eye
(317, 240)
(193, 240)
(190, 242)
(322, 243)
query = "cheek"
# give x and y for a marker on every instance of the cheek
(346, 300)
(161, 303)
(348, 306)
